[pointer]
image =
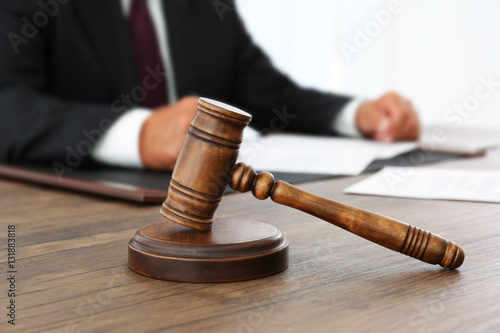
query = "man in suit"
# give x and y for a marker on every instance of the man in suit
(114, 82)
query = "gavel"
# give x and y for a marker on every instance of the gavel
(207, 164)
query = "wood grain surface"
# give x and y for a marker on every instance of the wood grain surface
(72, 273)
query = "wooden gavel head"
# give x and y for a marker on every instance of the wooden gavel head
(205, 164)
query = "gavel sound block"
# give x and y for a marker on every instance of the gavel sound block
(187, 248)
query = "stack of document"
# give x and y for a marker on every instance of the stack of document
(327, 155)
(430, 183)
(315, 154)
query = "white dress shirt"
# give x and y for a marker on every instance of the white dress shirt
(119, 146)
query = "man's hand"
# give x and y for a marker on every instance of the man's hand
(389, 118)
(163, 133)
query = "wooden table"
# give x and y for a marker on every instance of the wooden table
(72, 273)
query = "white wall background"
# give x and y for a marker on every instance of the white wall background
(431, 51)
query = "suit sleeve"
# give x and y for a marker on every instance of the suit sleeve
(276, 102)
(34, 126)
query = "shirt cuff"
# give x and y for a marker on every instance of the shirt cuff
(345, 122)
(119, 146)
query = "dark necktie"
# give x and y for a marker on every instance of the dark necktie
(147, 56)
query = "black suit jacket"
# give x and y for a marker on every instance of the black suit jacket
(69, 72)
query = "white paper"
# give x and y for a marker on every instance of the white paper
(393, 149)
(314, 154)
(431, 183)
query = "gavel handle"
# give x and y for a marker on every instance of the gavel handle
(392, 234)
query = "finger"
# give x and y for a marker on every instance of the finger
(415, 131)
(403, 118)
(388, 128)
(411, 128)
(393, 107)
(404, 124)
(383, 133)
(407, 126)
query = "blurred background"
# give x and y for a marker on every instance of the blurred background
(437, 53)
